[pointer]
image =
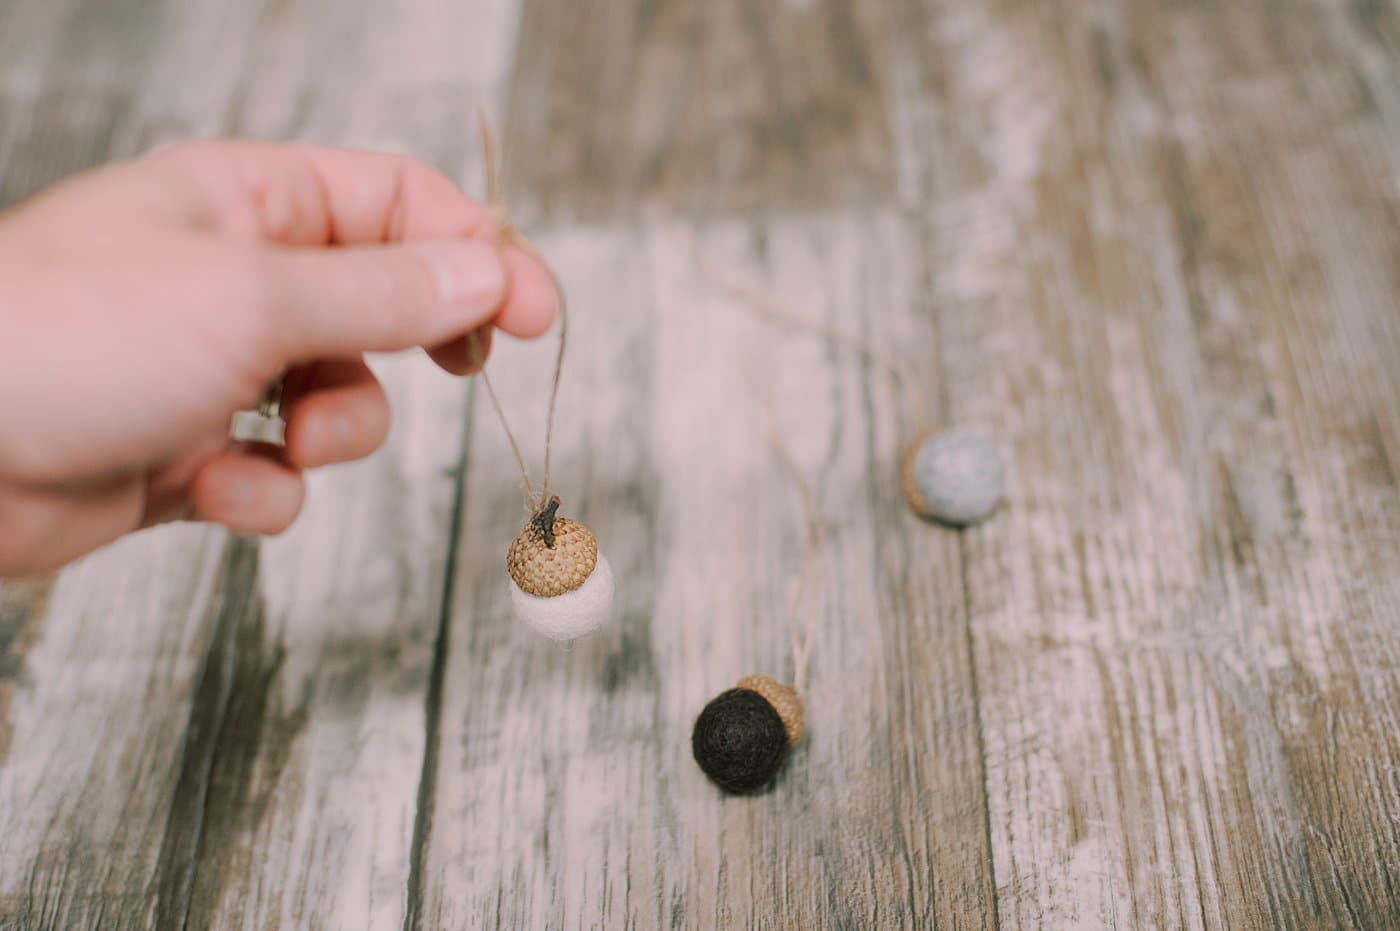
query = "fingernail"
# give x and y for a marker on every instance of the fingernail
(470, 275)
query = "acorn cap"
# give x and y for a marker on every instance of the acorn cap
(552, 555)
(909, 479)
(784, 700)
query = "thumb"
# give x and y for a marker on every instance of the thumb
(347, 301)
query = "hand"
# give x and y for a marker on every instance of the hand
(144, 303)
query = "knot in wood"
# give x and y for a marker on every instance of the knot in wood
(784, 700)
(552, 555)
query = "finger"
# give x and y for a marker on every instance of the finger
(459, 357)
(342, 414)
(346, 302)
(310, 196)
(529, 310)
(248, 493)
(301, 195)
(533, 299)
(168, 484)
(43, 530)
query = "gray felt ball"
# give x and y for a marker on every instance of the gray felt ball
(955, 476)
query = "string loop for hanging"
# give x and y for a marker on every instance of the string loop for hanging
(510, 236)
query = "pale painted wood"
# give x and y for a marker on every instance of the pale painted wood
(95, 714)
(267, 773)
(356, 588)
(566, 795)
(1163, 260)
(100, 666)
(708, 109)
(1150, 247)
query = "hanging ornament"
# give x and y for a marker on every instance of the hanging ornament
(560, 584)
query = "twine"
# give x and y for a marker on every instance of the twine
(766, 307)
(811, 554)
(495, 199)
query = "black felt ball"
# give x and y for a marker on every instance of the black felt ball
(739, 741)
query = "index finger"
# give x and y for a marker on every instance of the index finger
(307, 196)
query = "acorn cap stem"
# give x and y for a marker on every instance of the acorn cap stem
(543, 521)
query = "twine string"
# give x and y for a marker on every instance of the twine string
(495, 199)
(765, 306)
(811, 555)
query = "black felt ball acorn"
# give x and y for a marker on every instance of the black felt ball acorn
(743, 735)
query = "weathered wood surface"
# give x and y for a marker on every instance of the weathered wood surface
(259, 735)
(1164, 253)
(576, 762)
(710, 108)
(1153, 248)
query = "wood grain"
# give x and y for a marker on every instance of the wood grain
(1143, 289)
(578, 759)
(709, 109)
(1153, 249)
(96, 719)
(312, 817)
(278, 784)
(99, 665)
(72, 76)
(22, 607)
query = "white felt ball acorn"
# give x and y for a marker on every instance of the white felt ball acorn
(561, 586)
(955, 476)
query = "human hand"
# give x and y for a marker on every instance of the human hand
(142, 304)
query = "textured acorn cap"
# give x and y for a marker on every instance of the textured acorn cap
(784, 700)
(909, 478)
(552, 555)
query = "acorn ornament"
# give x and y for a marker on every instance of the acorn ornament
(560, 585)
(743, 735)
(955, 476)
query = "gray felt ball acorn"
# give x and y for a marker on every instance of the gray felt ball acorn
(956, 476)
(744, 734)
(561, 585)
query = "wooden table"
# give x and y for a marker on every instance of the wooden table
(1153, 248)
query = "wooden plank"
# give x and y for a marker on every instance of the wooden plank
(22, 606)
(302, 811)
(265, 773)
(1164, 267)
(297, 795)
(99, 665)
(94, 719)
(566, 795)
(1162, 247)
(709, 109)
(73, 71)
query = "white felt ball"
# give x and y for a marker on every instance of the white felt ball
(955, 476)
(570, 615)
